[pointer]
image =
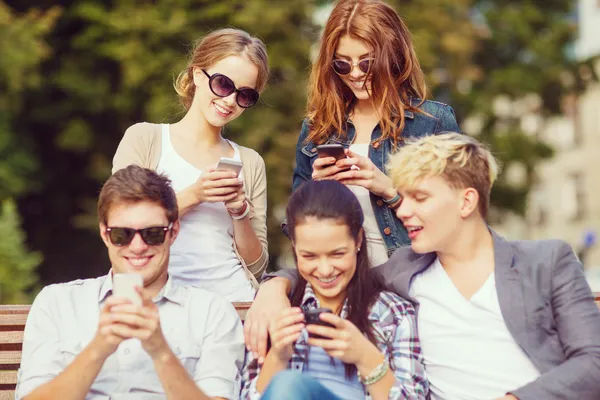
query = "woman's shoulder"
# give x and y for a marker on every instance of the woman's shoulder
(435, 108)
(143, 129)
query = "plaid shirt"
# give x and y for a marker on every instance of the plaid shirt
(395, 327)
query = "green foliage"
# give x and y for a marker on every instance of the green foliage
(17, 265)
(22, 48)
(113, 64)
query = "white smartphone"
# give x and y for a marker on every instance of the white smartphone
(229, 164)
(124, 286)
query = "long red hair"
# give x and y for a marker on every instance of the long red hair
(396, 74)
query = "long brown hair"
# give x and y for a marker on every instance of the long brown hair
(216, 46)
(395, 74)
(333, 200)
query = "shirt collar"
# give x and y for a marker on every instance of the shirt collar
(170, 291)
(310, 301)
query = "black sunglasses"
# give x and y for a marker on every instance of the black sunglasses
(344, 67)
(152, 236)
(223, 86)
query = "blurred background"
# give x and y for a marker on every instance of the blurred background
(521, 76)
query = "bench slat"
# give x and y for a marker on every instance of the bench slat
(10, 360)
(7, 394)
(13, 320)
(8, 378)
(11, 337)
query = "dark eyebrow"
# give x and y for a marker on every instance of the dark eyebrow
(336, 55)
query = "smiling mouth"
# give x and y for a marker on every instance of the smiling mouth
(138, 262)
(328, 280)
(223, 111)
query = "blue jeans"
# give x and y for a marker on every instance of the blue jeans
(293, 385)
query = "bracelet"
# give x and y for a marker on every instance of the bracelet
(241, 214)
(392, 200)
(376, 375)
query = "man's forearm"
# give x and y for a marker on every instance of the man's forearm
(175, 380)
(75, 381)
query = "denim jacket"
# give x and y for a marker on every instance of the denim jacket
(416, 125)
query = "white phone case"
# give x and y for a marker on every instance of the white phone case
(124, 286)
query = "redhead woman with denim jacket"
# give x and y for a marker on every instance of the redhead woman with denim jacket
(222, 245)
(367, 93)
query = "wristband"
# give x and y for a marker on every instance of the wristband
(376, 375)
(392, 200)
(241, 214)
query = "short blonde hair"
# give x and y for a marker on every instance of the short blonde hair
(461, 160)
(216, 46)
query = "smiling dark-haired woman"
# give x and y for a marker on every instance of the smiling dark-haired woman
(370, 350)
(222, 245)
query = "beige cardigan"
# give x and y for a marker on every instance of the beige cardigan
(141, 145)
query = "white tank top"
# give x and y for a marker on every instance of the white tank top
(203, 254)
(375, 244)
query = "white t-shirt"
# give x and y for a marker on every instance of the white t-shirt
(375, 244)
(203, 254)
(469, 352)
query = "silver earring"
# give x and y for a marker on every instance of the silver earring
(357, 250)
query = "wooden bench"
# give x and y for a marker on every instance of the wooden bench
(12, 324)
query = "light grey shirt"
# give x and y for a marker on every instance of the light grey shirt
(202, 328)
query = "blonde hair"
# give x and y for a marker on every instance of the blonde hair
(461, 160)
(216, 46)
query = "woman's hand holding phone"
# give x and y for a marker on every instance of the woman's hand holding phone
(284, 331)
(216, 186)
(360, 171)
(344, 341)
(324, 167)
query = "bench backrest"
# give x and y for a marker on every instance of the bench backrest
(12, 324)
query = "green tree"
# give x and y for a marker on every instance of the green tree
(114, 65)
(22, 47)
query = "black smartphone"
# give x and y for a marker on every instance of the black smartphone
(311, 317)
(331, 150)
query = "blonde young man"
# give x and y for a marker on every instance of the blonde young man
(81, 341)
(497, 319)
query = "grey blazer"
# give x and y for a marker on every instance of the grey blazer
(546, 303)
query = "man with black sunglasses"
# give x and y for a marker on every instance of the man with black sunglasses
(81, 341)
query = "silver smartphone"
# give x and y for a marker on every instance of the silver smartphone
(229, 164)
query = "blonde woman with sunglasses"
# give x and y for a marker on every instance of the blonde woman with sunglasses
(222, 245)
(367, 94)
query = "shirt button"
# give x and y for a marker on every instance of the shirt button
(126, 351)
(376, 145)
(380, 203)
(387, 231)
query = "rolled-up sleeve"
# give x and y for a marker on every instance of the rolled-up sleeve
(218, 372)
(406, 357)
(41, 359)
